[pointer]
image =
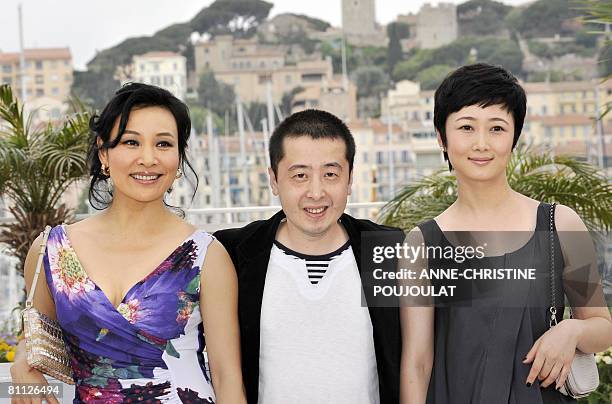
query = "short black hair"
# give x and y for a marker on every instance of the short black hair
(129, 97)
(479, 84)
(315, 123)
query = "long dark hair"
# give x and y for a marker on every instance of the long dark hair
(128, 97)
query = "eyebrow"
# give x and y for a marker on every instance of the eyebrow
(133, 132)
(304, 166)
(471, 118)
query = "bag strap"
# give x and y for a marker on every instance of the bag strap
(41, 253)
(553, 307)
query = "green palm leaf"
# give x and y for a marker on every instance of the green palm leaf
(540, 176)
(36, 168)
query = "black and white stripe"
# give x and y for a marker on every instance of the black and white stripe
(316, 265)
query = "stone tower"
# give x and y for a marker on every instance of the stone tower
(359, 17)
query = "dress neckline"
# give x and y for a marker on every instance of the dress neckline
(140, 282)
(527, 243)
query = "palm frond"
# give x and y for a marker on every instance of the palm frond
(540, 176)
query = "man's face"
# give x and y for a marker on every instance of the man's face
(313, 183)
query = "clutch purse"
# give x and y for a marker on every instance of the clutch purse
(583, 377)
(44, 343)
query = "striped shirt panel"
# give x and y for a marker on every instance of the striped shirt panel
(316, 265)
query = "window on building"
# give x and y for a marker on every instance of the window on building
(156, 67)
(40, 92)
(312, 77)
(39, 79)
(55, 113)
(53, 64)
(428, 115)
(39, 65)
(264, 78)
(380, 157)
(55, 91)
(168, 80)
(175, 67)
(288, 79)
(7, 80)
(548, 131)
(7, 68)
(155, 80)
(67, 77)
(544, 110)
(205, 50)
(142, 67)
(405, 156)
(365, 157)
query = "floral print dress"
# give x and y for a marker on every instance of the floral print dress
(150, 348)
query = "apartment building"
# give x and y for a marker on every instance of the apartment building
(249, 67)
(163, 69)
(389, 156)
(332, 97)
(48, 72)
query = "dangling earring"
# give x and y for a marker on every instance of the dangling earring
(179, 173)
(105, 170)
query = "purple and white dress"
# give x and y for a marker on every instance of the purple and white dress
(150, 348)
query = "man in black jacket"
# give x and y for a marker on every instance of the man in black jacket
(305, 336)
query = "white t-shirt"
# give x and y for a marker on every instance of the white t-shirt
(316, 342)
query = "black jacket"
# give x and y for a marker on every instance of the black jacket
(249, 248)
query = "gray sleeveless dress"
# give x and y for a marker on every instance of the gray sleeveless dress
(478, 350)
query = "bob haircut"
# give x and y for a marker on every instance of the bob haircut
(129, 97)
(315, 123)
(483, 85)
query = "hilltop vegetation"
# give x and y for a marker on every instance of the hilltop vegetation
(489, 31)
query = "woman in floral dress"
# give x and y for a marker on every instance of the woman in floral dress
(138, 291)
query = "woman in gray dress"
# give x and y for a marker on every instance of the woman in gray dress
(497, 348)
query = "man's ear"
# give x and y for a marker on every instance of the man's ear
(350, 183)
(273, 182)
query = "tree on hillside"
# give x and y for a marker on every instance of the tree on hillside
(94, 88)
(216, 95)
(431, 77)
(544, 18)
(481, 17)
(370, 81)
(238, 17)
(396, 31)
(496, 51)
